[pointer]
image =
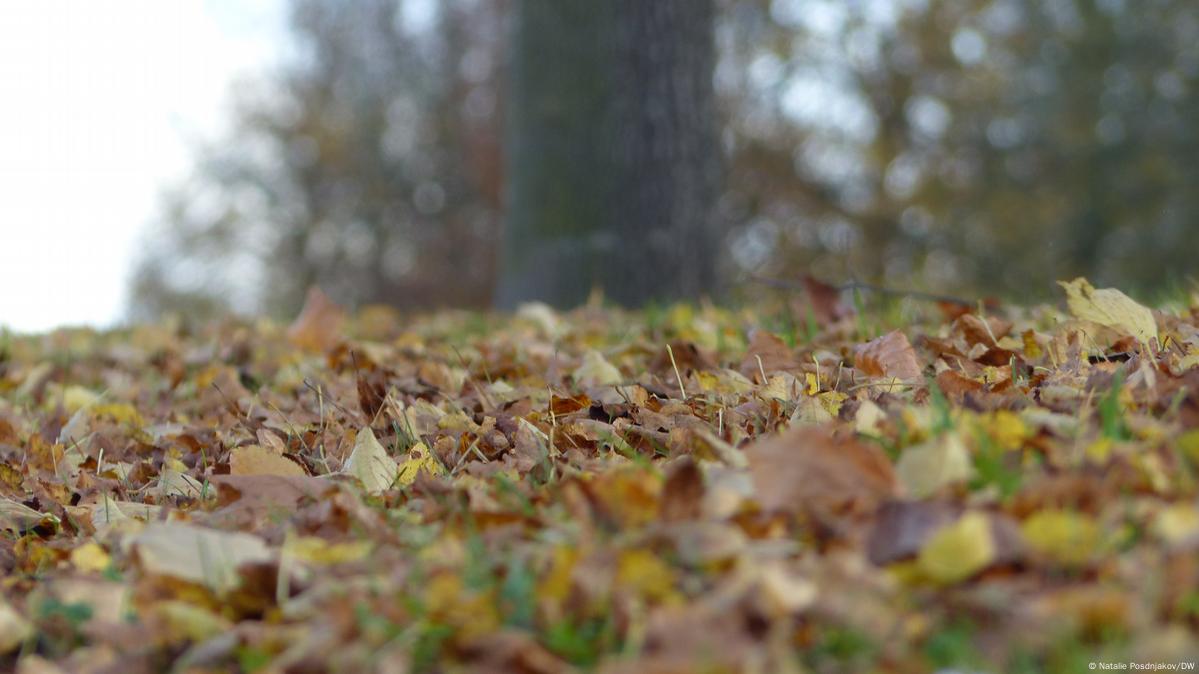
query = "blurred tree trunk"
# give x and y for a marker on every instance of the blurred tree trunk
(613, 156)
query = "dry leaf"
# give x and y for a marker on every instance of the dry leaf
(318, 327)
(891, 355)
(1111, 308)
(595, 371)
(19, 518)
(420, 459)
(925, 468)
(682, 492)
(14, 629)
(197, 554)
(257, 460)
(812, 470)
(767, 353)
(371, 464)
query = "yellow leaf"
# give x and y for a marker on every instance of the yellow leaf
(1064, 537)
(75, 398)
(122, 413)
(258, 460)
(186, 621)
(645, 574)
(90, 557)
(370, 463)
(1111, 308)
(958, 551)
(555, 585)
(1006, 428)
(315, 550)
(419, 459)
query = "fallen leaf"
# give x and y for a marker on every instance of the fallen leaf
(902, 527)
(825, 299)
(258, 496)
(812, 469)
(90, 557)
(959, 550)
(19, 518)
(419, 460)
(371, 464)
(1065, 537)
(197, 554)
(318, 326)
(595, 371)
(682, 492)
(925, 468)
(891, 355)
(767, 353)
(14, 628)
(1110, 307)
(258, 460)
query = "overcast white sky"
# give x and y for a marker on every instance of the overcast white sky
(98, 101)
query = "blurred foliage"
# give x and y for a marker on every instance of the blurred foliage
(990, 145)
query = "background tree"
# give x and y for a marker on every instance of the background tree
(369, 164)
(613, 156)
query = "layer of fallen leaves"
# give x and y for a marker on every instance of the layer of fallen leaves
(688, 490)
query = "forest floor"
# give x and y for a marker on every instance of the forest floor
(823, 485)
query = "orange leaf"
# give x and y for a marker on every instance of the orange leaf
(318, 327)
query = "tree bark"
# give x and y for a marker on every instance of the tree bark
(613, 158)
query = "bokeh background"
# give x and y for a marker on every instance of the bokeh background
(976, 146)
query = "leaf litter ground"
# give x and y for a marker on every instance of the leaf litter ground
(811, 489)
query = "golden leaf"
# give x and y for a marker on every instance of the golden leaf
(419, 459)
(958, 551)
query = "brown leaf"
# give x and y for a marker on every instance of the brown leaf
(372, 390)
(256, 495)
(956, 386)
(888, 356)
(810, 469)
(977, 332)
(902, 527)
(683, 492)
(318, 327)
(825, 301)
(769, 353)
